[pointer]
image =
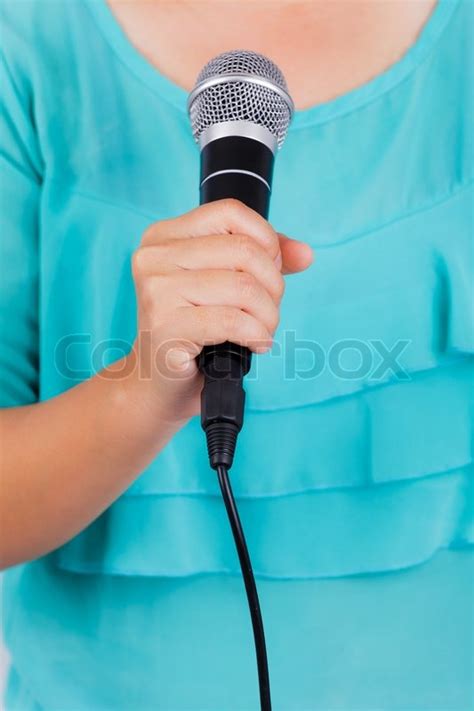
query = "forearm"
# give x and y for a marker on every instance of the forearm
(65, 460)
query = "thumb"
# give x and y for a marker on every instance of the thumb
(296, 256)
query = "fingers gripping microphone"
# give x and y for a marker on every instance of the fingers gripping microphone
(240, 111)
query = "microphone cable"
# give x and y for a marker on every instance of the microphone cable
(222, 412)
(250, 587)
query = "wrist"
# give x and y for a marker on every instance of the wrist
(140, 403)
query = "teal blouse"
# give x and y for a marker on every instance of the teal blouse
(354, 472)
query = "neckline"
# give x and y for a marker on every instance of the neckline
(358, 97)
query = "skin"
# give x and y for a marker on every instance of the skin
(220, 267)
(324, 47)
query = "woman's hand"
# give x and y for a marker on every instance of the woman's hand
(211, 275)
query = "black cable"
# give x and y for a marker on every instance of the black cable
(250, 587)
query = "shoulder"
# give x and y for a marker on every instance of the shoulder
(27, 24)
(43, 45)
(35, 35)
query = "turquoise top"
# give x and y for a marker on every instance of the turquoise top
(354, 469)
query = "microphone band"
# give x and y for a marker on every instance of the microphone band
(250, 177)
(237, 170)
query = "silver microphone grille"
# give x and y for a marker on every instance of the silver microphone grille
(241, 86)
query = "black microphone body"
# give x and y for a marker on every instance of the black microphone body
(236, 167)
(240, 111)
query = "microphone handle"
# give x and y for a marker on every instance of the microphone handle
(237, 167)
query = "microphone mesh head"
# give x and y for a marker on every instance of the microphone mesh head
(267, 104)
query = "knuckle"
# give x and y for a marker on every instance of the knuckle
(247, 286)
(258, 333)
(151, 293)
(148, 295)
(245, 247)
(160, 251)
(150, 258)
(274, 320)
(149, 235)
(139, 259)
(200, 319)
(279, 287)
(205, 323)
(230, 320)
(233, 212)
(154, 231)
(233, 206)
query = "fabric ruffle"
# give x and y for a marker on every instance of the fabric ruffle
(352, 499)
(386, 434)
(334, 533)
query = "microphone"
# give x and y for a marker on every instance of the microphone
(240, 111)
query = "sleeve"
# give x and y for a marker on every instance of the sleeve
(20, 189)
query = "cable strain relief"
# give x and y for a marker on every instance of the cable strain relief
(221, 441)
